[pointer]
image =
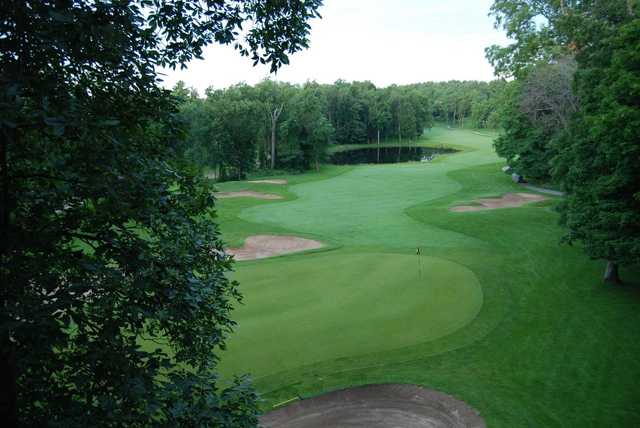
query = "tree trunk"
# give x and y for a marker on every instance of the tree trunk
(273, 144)
(8, 392)
(611, 273)
(378, 161)
(8, 371)
(4, 176)
(274, 122)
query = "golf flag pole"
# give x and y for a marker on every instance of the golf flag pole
(419, 262)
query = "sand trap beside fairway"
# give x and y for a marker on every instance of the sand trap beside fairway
(376, 406)
(274, 181)
(247, 194)
(508, 200)
(263, 246)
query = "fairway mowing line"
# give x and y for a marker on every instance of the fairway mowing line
(282, 403)
(247, 194)
(274, 181)
(483, 135)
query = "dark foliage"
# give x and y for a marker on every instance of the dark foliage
(114, 293)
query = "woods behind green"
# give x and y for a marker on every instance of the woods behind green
(276, 125)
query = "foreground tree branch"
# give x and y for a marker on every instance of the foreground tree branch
(106, 235)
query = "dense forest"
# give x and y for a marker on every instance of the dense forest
(572, 115)
(244, 128)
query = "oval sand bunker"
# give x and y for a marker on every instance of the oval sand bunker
(263, 246)
(508, 200)
(376, 406)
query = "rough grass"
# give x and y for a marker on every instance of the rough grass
(550, 346)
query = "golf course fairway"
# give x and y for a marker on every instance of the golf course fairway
(494, 310)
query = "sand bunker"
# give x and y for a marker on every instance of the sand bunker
(263, 246)
(376, 406)
(246, 194)
(274, 181)
(508, 200)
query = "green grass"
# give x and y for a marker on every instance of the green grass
(236, 230)
(540, 342)
(423, 141)
(337, 304)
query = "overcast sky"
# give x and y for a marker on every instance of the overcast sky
(384, 41)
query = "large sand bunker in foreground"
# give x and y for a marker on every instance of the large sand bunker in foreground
(376, 406)
(247, 194)
(263, 246)
(271, 181)
(508, 200)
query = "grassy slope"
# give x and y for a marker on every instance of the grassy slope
(236, 230)
(551, 346)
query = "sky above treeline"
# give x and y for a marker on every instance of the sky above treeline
(383, 41)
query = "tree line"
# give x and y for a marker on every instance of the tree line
(272, 124)
(572, 114)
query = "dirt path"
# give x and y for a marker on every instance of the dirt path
(376, 406)
(247, 194)
(508, 200)
(543, 190)
(263, 246)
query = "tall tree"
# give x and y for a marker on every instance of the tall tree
(114, 294)
(380, 114)
(235, 115)
(599, 160)
(548, 98)
(598, 150)
(274, 98)
(347, 113)
(307, 128)
(526, 146)
(538, 109)
(531, 25)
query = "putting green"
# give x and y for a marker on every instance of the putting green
(312, 308)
